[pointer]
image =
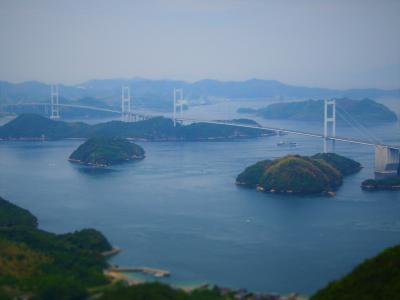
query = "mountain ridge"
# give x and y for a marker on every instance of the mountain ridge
(141, 87)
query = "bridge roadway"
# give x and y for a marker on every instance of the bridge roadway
(297, 132)
(67, 105)
(276, 129)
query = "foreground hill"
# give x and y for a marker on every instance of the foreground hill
(38, 264)
(31, 126)
(106, 152)
(364, 111)
(377, 278)
(12, 215)
(301, 175)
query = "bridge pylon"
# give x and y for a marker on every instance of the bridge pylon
(329, 123)
(178, 101)
(126, 104)
(55, 108)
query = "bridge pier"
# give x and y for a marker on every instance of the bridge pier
(387, 162)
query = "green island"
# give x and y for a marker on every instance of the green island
(388, 184)
(365, 111)
(103, 152)
(36, 127)
(302, 175)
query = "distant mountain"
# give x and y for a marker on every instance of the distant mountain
(253, 88)
(157, 94)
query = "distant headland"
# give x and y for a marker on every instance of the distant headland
(32, 126)
(366, 111)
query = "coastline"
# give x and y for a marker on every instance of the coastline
(114, 251)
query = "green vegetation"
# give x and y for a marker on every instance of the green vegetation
(88, 239)
(46, 265)
(12, 215)
(294, 174)
(364, 111)
(377, 278)
(106, 152)
(30, 126)
(390, 184)
(344, 165)
(250, 177)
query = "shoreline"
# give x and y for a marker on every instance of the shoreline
(113, 251)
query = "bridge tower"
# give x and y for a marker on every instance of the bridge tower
(55, 108)
(126, 104)
(329, 123)
(178, 101)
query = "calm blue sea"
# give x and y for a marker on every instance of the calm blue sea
(180, 210)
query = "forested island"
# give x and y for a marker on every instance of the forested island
(300, 175)
(366, 111)
(102, 152)
(31, 126)
(385, 184)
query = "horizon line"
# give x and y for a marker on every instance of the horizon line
(138, 78)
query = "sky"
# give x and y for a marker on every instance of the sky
(319, 43)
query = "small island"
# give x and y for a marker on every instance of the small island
(103, 152)
(385, 184)
(300, 175)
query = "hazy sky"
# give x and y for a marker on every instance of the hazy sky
(339, 44)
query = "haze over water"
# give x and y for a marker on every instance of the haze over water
(180, 210)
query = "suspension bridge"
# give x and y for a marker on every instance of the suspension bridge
(387, 157)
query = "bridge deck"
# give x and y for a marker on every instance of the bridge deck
(297, 132)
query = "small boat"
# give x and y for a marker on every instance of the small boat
(287, 144)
